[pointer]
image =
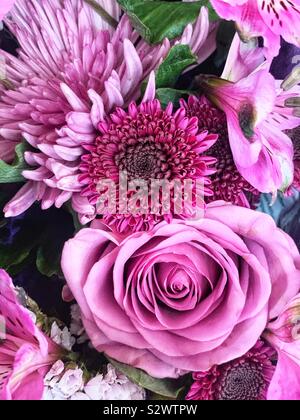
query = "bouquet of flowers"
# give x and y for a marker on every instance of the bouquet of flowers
(149, 194)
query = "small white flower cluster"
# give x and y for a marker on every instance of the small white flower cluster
(62, 337)
(63, 383)
(68, 384)
(65, 337)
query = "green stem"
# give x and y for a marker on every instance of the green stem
(103, 13)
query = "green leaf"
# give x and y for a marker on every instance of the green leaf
(77, 225)
(15, 255)
(16, 269)
(13, 173)
(166, 95)
(38, 237)
(48, 259)
(178, 59)
(156, 20)
(51, 243)
(170, 388)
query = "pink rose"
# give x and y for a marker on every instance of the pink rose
(187, 295)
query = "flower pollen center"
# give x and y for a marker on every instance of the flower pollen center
(144, 159)
(242, 382)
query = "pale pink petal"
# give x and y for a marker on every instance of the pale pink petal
(150, 91)
(5, 7)
(134, 68)
(249, 21)
(242, 60)
(24, 199)
(282, 19)
(97, 111)
(285, 384)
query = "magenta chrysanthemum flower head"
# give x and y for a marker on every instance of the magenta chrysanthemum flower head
(72, 70)
(246, 378)
(147, 143)
(226, 183)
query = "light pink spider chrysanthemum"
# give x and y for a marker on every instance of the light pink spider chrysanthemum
(72, 70)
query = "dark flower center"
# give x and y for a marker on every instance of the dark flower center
(243, 382)
(144, 159)
(246, 119)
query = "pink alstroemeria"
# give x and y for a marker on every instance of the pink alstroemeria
(284, 335)
(254, 104)
(5, 7)
(267, 18)
(26, 354)
(227, 184)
